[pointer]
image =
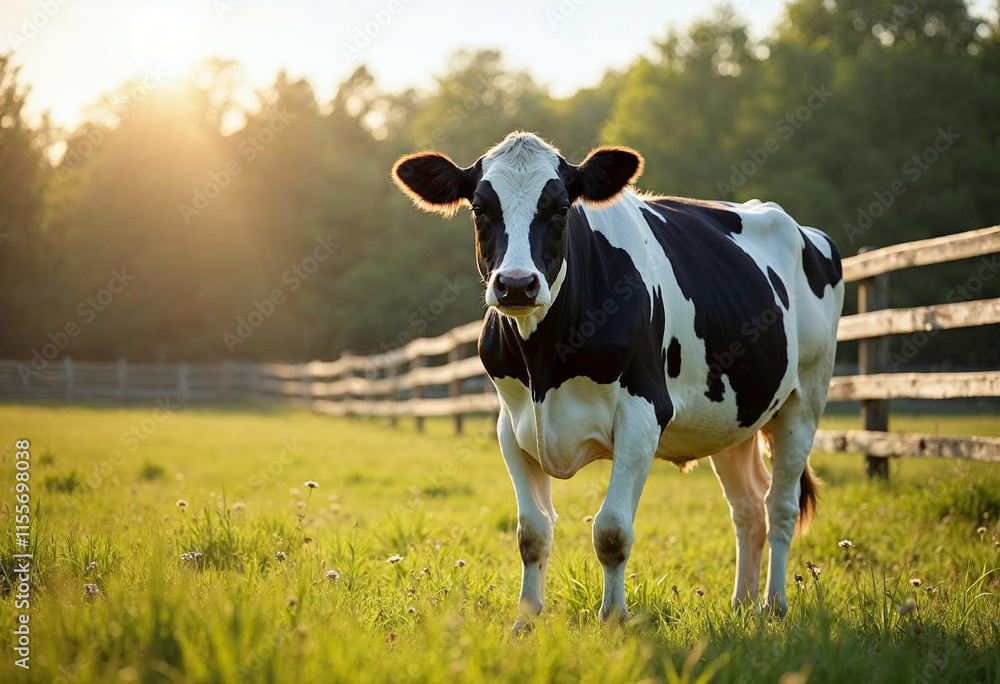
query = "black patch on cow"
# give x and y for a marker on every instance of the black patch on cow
(779, 286)
(728, 222)
(611, 546)
(491, 233)
(603, 326)
(674, 358)
(819, 270)
(531, 545)
(549, 233)
(733, 303)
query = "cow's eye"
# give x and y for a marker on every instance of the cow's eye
(562, 211)
(477, 211)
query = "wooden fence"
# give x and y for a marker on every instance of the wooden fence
(442, 376)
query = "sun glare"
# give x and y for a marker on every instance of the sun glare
(165, 39)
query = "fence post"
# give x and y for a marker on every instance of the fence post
(418, 393)
(392, 374)
(873, 294)
(122, 379)
(455, 386)
(255, 393)
(307, 385)
(225, 380)
(183, 382)
(70, 380)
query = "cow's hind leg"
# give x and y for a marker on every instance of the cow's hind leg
(792, 496)
(636, 436)
(535, 521)
(745, 480)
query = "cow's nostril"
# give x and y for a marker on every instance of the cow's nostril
(515, 289)
(531, 291)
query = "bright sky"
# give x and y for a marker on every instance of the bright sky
(72, 51)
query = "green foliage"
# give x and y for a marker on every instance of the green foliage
(151, 471)
(914, 599)
(215, 206)
(67, 482)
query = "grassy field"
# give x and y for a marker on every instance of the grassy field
(261, 602)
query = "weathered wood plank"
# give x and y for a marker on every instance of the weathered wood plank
(923, 252)
(915, 386)
(919, 319)
(893, 444)
(423, 408)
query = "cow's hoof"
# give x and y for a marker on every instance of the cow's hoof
(522, 627)
(775, 609)
(614, 616)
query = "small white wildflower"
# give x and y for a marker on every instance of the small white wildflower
(181, 503)
(239, 506)
(907, 607)
(845, 544)
(332, 575)
(311, 484)
(915, 581)
(460, 563)
(92, 566)
(280, 555)
(91, 590)
(395, 559)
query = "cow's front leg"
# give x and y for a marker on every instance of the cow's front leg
(636, 435)
(535, 521)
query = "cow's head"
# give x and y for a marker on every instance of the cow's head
(520, 193)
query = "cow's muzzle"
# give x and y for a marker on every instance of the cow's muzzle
(516, 290)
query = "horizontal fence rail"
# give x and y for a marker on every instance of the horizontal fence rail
(443, 376)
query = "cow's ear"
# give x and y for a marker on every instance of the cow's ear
(604, 174)
(434, 182)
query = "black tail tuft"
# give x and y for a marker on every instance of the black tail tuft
(810, 484)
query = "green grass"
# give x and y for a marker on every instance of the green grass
(106, 482)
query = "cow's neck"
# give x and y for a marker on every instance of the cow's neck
(526, 325)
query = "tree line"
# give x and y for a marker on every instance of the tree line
(180, 224)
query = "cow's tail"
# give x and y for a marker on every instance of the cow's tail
(809, 486)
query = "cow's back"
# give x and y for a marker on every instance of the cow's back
(739, 284)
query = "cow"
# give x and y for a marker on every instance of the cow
(634, 327)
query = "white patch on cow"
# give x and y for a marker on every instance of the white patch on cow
(572, 425)
(527, 324)
(518, 169)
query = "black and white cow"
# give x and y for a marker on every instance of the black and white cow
(630, 327)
